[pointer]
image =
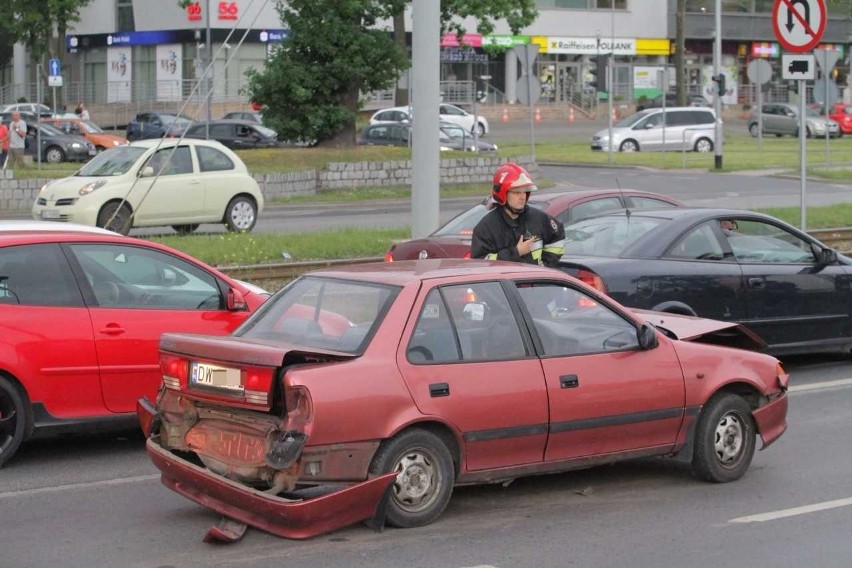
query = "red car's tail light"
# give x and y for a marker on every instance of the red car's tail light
(257, 384)
(590, 278)
(300, 408)
(389, 254)
(467, 255)
(174, 370)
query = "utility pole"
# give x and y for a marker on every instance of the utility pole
(680, 45)
(208, 82)
(717, 73)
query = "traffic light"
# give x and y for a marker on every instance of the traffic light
(599, 73)
(720, 83)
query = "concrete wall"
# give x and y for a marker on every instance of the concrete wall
(19, 195)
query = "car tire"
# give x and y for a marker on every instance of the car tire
(703, 145)
(754, 129)
(117, 215)
(100, 149)
(480, 129)
(241, 214)
(185, 229)
(16, 420)
(425, 479)
(724, 439)
(629, 145)
(54, 155)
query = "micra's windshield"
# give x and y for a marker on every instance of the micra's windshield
(112, 162)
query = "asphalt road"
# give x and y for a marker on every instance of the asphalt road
(98, 502)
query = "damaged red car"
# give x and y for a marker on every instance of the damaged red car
(368, 392)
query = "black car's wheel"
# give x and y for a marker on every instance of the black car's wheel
(116, 216)
(185, 229)
(703, 145)
(629, 146)
(724, 440)
(754, 129)
(54, 155)
(424, 481)
(241, 214)
(15, 419)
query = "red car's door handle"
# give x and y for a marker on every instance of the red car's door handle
(569, 381)
(439, 389)
(112, 329)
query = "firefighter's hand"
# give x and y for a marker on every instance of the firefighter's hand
(525, 246)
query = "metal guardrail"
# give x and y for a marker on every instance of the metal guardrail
(271, 276)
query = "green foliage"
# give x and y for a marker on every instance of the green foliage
(335, 51)
(517, 13)
(32, 21)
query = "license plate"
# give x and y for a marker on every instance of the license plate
(92, 151)
(214, 376)
(50, 214)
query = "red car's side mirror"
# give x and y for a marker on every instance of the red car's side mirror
(236, 301)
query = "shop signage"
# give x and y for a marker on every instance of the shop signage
(462, 55)
(769, 49)
(505, 40)
(193, 12)
(228, 11)
(590, 45)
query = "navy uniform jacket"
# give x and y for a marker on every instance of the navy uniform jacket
(496, 236)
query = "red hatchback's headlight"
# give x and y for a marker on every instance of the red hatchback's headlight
(389, 254)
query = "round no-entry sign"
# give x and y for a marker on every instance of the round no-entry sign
(799, 24)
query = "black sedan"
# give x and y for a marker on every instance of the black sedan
(156, 125)
(450, 137)
(57, 146)
(236, 134)
(724, 264)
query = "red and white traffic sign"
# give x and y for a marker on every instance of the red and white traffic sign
(799, 24)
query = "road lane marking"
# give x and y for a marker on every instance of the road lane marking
(784, 513)
(86, 485)
(820, 386)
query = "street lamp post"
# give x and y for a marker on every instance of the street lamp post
(208, 82)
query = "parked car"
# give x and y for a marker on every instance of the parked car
(57, 146)
(236, 134)
(453, 239)
(676, 128)
(671, 101)
(842, 115)
(249, 115)
(29, 108)
(387, 385)
(781, 118)
(156, 125)
(154, 183)
(724, 264)
(450, 137)
(82, 310)
(88, 130)
(448, 113)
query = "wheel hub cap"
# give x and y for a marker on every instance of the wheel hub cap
(729, 438)
(416, 483)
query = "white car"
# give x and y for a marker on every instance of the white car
(448, 113)
(154, 183)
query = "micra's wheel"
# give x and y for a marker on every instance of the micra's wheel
(629, 146)
(15, 419)
(424, 481)
(754, 129)
(480, 129)
(54, 155)
(116, 216)
(703, 145)
(241, 214)
(724, 439)
(185, 229)
(808, 133)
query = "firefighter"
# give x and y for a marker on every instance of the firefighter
(513, 230)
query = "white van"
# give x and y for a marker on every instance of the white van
(676, 128)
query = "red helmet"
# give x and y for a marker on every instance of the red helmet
(510, 177)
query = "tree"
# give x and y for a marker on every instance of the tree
(312, 83)
(517, 13)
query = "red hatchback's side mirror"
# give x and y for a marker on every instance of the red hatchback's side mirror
(236, 301)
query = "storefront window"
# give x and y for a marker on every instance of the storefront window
(729, 6)
(607, 4)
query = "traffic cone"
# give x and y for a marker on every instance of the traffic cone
(505, 117)
(537, 114)
(571, 114)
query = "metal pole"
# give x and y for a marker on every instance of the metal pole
(209, 75)
(610, 75)
(802, 154)
(825, 74)
(37, 125)
(425, 154)
(475, 117)
(760, 107)
(529, 99)
(717, 71)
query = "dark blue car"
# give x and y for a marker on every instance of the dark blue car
(156, 125)
(724, 264)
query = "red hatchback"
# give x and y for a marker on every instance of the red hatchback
(370, 391)
(453, 239)
(81, 313)
(842, 115)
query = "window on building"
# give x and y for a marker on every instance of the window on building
(124, 16)
(607, 4)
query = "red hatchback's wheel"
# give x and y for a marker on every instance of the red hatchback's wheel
(724, 440)
(424, 481)
(15, 420)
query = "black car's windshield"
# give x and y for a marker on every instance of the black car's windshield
(463, 224)
(322, 313)
(113, 162)
(267, 132)
(606, 236)
(176, 120)
(51, 130)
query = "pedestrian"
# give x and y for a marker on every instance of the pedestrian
(82, 111)
(17, 140)
(513, 230)
(4, 144)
